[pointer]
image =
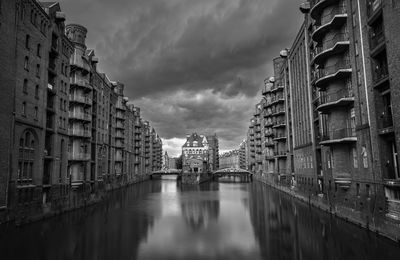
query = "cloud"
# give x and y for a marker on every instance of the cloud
(190, 65)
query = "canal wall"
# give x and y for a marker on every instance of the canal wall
(73, 199)
(376, 223)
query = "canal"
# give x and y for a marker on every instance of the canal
(161, 220)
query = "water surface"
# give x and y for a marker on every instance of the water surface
(162, 220)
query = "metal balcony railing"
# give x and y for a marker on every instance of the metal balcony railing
(376, 38)
(385, 121)
(326, 98)
(329, 44)
(79, 132)
(79, 156)
(339, 134)
(380, 72)
(80, 115)
(81, 99)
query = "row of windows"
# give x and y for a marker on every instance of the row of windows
(24, 110)
(25, 89)
(28, 46)
(26, 66)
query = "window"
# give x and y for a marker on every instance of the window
(37, 91)
(355, 159)
(38, 50)
(38, 70)
(358, 189)
(368, 190)
(27, 41)
(23, 108)
(36, 112)
(26, 63)
(26, 158)
(25, 86)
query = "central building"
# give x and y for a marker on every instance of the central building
(196, 153)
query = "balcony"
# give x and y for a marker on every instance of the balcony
(340, 98)
(376, 42)
(269, 123)
(80, 99)
(119, 134)
(120, 106)
(374, 9)
(280, 123)
(338, 44)
(318, 6)
(80, 116)
(79, 133)
(277, 99)
(335, 19)
(339, 136)
(80, 62)
(340, 70)
(120, 125)
(380, 74)
(343, 181)
(119, 144)
(269, 144)
(78, 156)
(280, 154)
(280, 137)
(258, 136)
(385, 124)
(258, 129)
(278, 111)
(82, 83)
(270, 157)
(120, 115)
(269, 134)
(277, 86)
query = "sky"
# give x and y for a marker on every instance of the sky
(190, 65)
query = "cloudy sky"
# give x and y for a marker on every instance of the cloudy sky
(191, 65)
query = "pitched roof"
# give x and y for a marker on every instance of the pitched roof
(200, 139)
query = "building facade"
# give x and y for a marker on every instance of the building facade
(230, 159)
(69, 134)
(334, 126)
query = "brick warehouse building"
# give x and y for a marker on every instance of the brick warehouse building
(342, 71)
(69, 133)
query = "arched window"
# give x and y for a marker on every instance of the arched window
(37, 91)
(26, 158)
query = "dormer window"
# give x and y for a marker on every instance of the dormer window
(195, 143)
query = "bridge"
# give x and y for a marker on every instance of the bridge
(227, 174)
(233, 174)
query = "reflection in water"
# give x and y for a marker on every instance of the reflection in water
(288, 229)
(163, 220)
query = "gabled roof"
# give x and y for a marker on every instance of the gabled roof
(47, 4)
(200, 139)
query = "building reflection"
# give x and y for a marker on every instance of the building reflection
(109, 230)
(288, 229)
(199, 212)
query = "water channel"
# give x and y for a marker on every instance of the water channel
(161, 220)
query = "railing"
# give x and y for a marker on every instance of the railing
(280, 122)
(80, 115)
(339, 134)
(373, 6)
(332, 69)
(333, 97)
(380, 72)
(385, 121)
(119, 134)
(79, 132)
(376, 38)
(339, 37)
(79, 156)
(280, 135)
(338, 10)
(79, 82)
(82, 99)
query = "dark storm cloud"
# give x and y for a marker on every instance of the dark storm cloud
(163, 49)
